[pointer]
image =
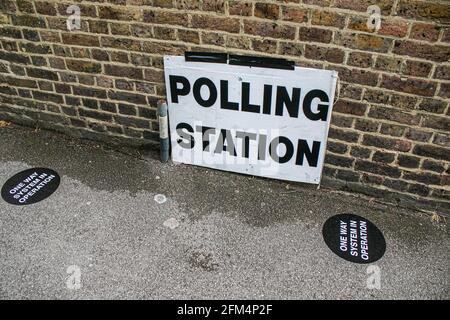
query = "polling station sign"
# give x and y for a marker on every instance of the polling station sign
(253, 120)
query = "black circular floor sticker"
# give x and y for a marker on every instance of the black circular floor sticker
(30, 186)
(354, 238)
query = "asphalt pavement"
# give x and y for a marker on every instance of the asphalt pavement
(123, 225)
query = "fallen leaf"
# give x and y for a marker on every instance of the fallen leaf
(4, 123)
(435, 217)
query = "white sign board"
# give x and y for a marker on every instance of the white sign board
(265, 122)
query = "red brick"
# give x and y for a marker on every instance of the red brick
(268, 29)
(434, 52)
(216, 23)
(426, 32)
(409, 85)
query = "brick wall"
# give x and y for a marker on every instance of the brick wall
(390, 129)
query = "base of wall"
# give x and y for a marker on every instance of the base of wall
(374, 191)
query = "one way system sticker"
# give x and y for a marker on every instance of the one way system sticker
(30, 186)
(260, 121)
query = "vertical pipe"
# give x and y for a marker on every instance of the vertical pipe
(163, 130)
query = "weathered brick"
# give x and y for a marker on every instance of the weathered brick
(389, 27)
(419, 189)
(119, 13)
(383, 157)
(38, 61)
(188, 36)
(387, 143)
(379, 112)
(349, 107)
(127, 97)
(9, 32)
(403, 102)
(357, 76)
(83, 66)
(14, 57)
(324, 53)
(25, 6)
(121, 43)
(102, 116)
(341, 121)
(328, 18)
(433, 166)
(343, 135)
(376, 168)
(439, 12)
(315, 35)
(127, 109)
(294, 14)
(89, 92)
(417, 68)
(46, 96)
(292, 49)
(432, 106)
(444, 91)
(42, 73)
(351, 91)
(213, 38)
(45, 8)
(98, 27)
(442, 139)
(442, 72)
(239, 42)
(434, 52)
(121, 29)
(122, 71)
(360, 152)
(392, 129)
(119, 56)
(418, 135)
(132, 122)
(364, 42)
(90, 103)
(240, 8)
(80, 39)
(396, 184)
(163, 48)
(435, 122)
(100, 55)
(87, 10)
(108, 106)
(426, 32)
(265, 45)
(409, 85)
(361, 5)
(428, 178)
(165, 17)
(78, 52)
(408, 161)
(337, 147)
(31, 35)
(269, 29)
(35, 48)
(267, 10)
(366, 125)
(376, 96)
(28, 21)
(360, 59)
(434, 152)
(153, 75)
(339, 161)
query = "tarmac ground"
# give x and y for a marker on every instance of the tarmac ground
(123, 225)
